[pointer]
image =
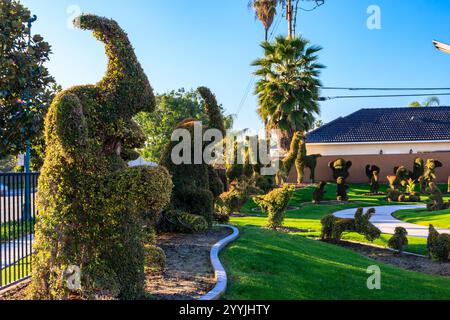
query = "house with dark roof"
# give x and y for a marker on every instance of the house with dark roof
(387, 138)
(384, 131)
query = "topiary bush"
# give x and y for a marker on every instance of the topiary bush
(333, 228)
(438, 245)
(240, 192)
(275, 204)
(91, 205)
(399, 240)
(155, 258)
(319, 193)
(340, 168)
(429, 174)
(436, 197)
(373, 173)
(182, 222)
(196, 186)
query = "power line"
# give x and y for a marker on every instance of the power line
(384, 89)
(382, 96)
(253, 79)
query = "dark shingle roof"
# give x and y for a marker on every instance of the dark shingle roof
(386, 125)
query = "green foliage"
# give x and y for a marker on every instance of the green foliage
(91, 205)
(429, 174)
(373, 173)
(172, 108)
(333, 228)
(319, 193)
(399, 240)
(275, 204)
(238, 195)
(436, 196)
(438, 245)
(182, 222)
(26, 87)
(155, 258)
(196, 186)
(288, 85)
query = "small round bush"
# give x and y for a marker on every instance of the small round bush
(400, 239)
(155, 258)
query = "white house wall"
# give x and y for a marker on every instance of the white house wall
(376, 148)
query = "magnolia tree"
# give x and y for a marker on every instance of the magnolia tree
(26, 87)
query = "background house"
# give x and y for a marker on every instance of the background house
(386, 137)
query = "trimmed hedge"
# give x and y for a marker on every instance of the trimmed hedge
(91, 205)
(182, 222)
(399, 240)
(275, 204)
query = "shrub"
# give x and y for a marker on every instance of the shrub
(340, 169)
(240, 192)
(265, 183)
(275, 204)
(319, 193)
(333, 228)
(155, 258)
(373, 173)
(438, 245)
(399, 240)
(222, 217)
(196, 186)
(182, 222)
(429, 174)
(91, 205)
(436, 197)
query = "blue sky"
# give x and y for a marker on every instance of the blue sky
(188, 43)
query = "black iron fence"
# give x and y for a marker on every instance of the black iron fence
(17, 219)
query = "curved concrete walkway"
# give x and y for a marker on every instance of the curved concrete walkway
(384, 220)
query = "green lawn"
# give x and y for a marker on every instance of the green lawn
(265, 264)
(19, 270)
(423, 217)
(12, 230)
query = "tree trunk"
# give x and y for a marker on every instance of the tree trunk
(289, 18)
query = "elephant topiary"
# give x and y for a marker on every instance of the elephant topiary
(91, 205)
(319, 193)
(196, 186)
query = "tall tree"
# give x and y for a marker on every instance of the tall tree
(26, 87)
(288, 88)
(171, 109)
(430, 102)
(265, 11)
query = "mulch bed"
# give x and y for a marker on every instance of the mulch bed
(404, 261)
(188, 275)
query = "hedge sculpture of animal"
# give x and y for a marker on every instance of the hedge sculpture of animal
(373, 173)
(436, 196)
(196, 186)
(333, 228)
(311, 163)
(429, 174)
(91, 205)
(319, 193)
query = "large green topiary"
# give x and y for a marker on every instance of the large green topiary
(91, 205)
(333, 228)
(438, 245)
(196, 186)
(275, 204)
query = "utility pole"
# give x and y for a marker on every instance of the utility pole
(289, 17)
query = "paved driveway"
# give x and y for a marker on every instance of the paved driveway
(384, 220)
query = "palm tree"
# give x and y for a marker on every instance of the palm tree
(430, 102)
(288, 88)
(265, 11)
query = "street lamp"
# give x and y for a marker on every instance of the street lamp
(442, 46)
